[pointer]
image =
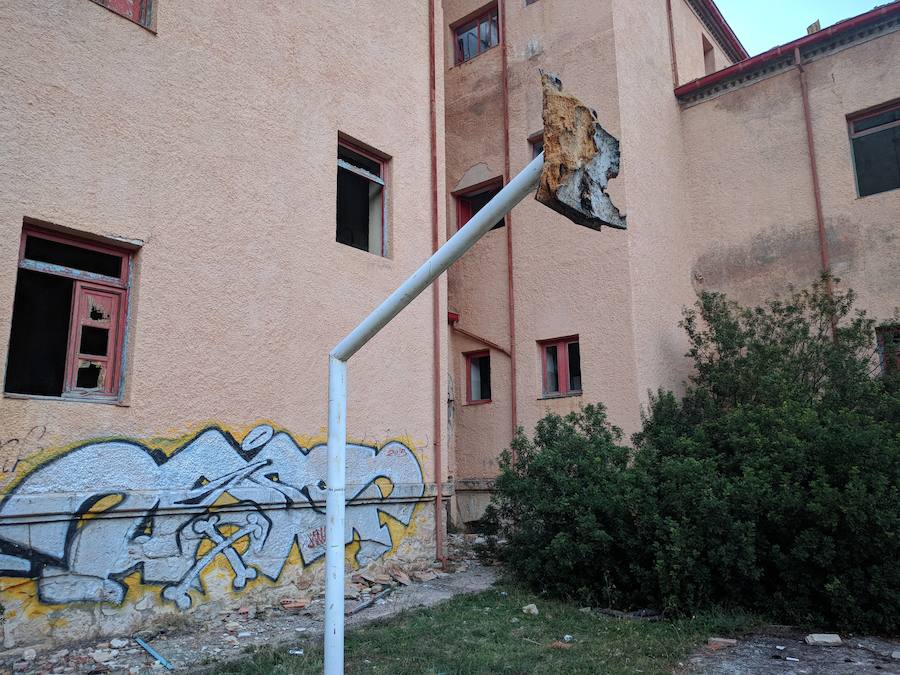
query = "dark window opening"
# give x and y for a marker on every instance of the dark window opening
(88, 376)
(67, 326)
(74, 257)
(360, 201)
(574, 366)
(470, 204)
(477, 35)
(479, 377)
(94, 341)
(561, 362)
(875, 138)
(889, 349)
(36, 362)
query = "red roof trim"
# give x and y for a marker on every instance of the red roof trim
(720, 21)
(783, 50)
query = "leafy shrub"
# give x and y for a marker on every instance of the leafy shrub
(773, 484)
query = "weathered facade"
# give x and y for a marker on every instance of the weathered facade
(173, 276)
(716, 181)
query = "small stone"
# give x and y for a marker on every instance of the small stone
(585, 610)
(401, 577)
(530, 609)
(244, 633)
(895, 654)
(29, 654)
(233, 626)
(102, 655)
(21, 666)
(514, 620)
(791, 658)
(720, 643)
(118, 643)
(376, 588)
(103, 645)
(568, 638)
(823, 639)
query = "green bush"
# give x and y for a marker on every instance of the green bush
(773, 484)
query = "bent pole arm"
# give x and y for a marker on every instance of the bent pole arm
(489, 215)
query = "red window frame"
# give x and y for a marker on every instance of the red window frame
(464, 207)
(562, 365)
(98, 301)
(381, 179)
(470, 356)
(141, 12)
(491, 14)
(854, 119)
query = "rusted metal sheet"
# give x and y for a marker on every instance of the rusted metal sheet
(580, 158)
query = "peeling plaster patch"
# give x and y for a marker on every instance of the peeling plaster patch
(772, 259)
(478, 173)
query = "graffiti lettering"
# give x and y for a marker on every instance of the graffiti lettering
(83, 521)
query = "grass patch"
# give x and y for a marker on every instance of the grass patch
(477, 634)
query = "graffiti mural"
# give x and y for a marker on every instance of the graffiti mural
(83, 521)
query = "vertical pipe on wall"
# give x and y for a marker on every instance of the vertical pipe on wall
(437, 445)
(510, 288)
(672, 50)
(814, 171)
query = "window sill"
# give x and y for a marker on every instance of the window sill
(462, 63)
(67, 399)
(569, 394)
(468, 403)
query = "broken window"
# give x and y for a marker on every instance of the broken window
(471, 202)
(477, 35)
(68, 317)
(478, 366)
(361, 220)
(561, 361)
(139, 11)
(709, 57)
(888, 338)
(875, 137)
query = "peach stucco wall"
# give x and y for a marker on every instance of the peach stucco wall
(213, 143)
(688, 33)
(754, 224)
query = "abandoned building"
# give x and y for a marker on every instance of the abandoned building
(200, 199)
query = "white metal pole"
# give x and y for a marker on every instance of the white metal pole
(489, 215)
(334, 515)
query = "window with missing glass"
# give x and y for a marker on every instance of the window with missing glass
(478, 377)
(361, 205)
(561, 364)
(875, 139)
(68, 317)
(476, 35)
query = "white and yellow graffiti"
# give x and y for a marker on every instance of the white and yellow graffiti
(167, 518)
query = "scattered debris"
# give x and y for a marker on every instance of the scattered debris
(895, 654)
(720, 643)
(568, 638)
(556, 644)
(29, 654)
(295, 652)
(791, 658)
(104, 655)
(401, 577)
(294, 604)
(779, 647)
(160, 659)
(823, 639)
(531, 609)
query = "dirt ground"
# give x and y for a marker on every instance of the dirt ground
(772, 650)
(194, 647)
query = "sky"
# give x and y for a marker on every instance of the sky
(763, 24)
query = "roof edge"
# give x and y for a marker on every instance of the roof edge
(721, 29)
(780, 52)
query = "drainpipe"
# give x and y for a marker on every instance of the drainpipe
(335, 505)
(814, 171)
(510, 289)
(435, 301)
(673, 54)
